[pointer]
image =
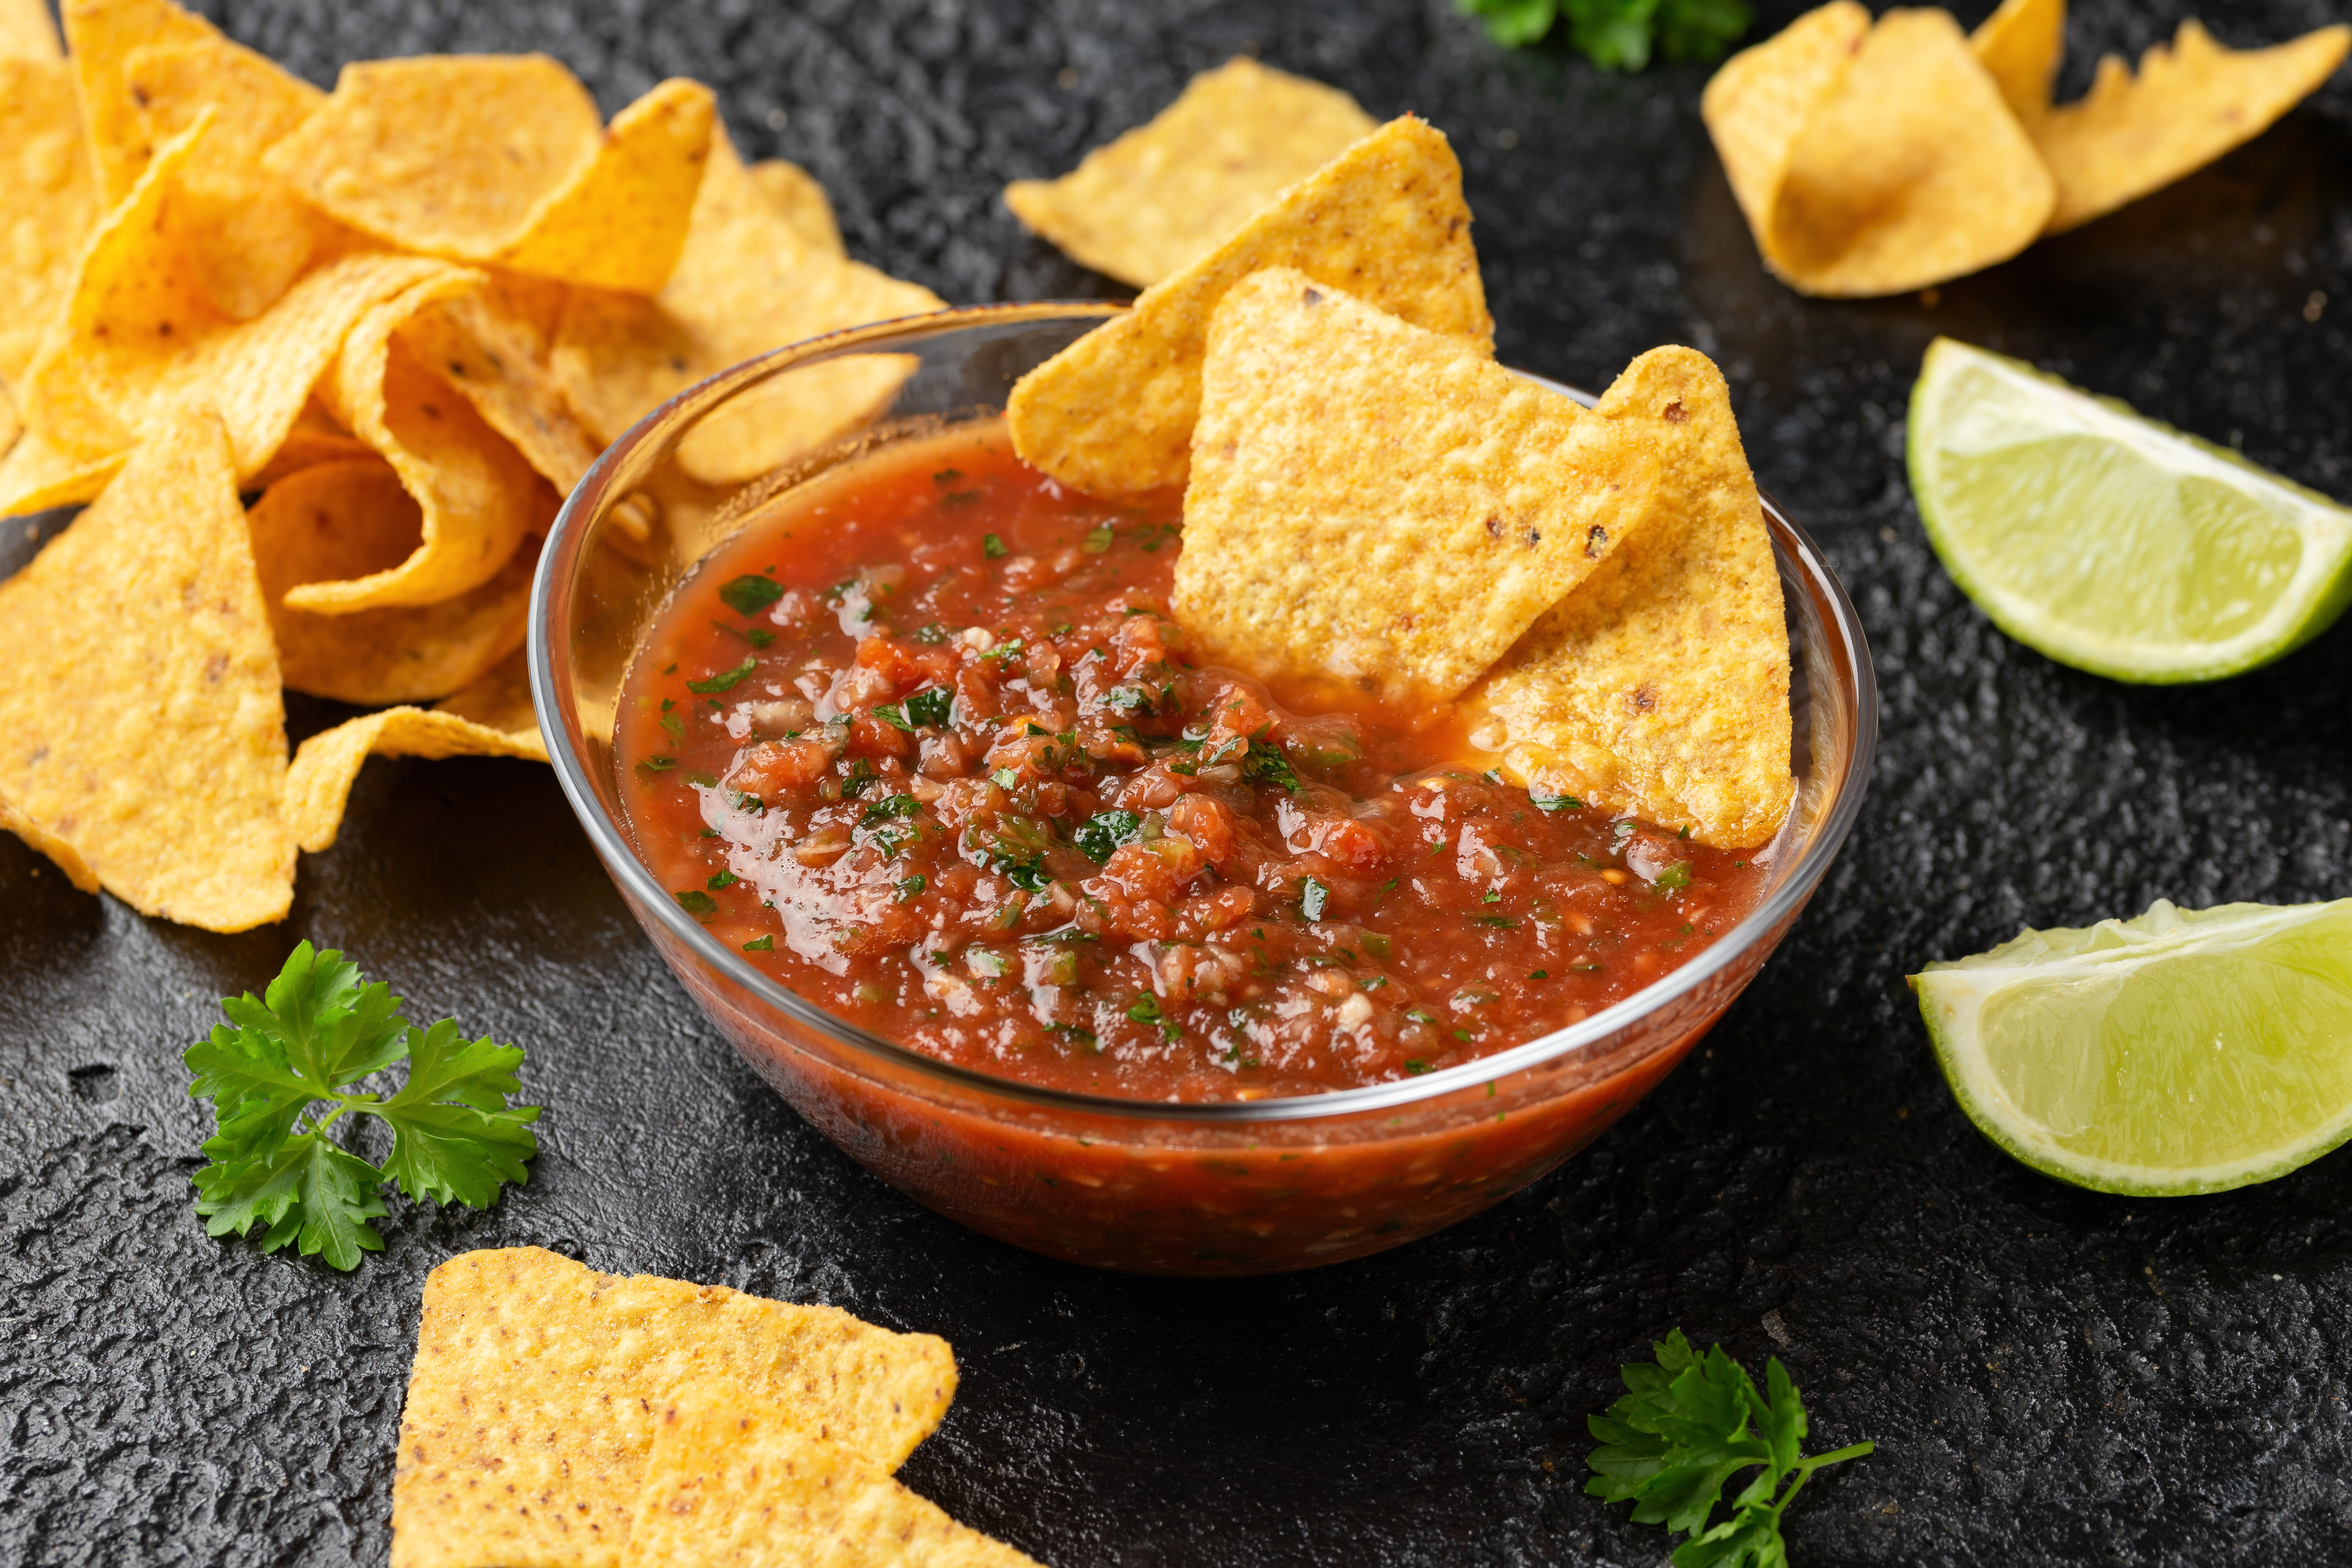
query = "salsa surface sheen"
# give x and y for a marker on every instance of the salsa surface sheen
(923, 743)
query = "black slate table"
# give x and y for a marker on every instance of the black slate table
(2052, 1376)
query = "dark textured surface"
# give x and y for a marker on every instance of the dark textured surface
(2050, 1377)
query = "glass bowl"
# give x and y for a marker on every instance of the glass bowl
(1151, 1187)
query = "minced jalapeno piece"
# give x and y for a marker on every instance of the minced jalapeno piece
(926, 744)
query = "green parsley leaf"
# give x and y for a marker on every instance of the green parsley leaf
(1096, 541)
(721, 879)
(761, 944)
(696, 902)
(887, 807)
(1619, 35)
(1544, 800)
(1146, 1011)
(992, 546)
(725, 680)
(1674, 875)
(1681, 1433)
(1314, 897)
(747, 595)
(1106, 831)
(907, 887)
(319, 1031)
(1267, 764)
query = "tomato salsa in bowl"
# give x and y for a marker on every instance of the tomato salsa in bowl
(900, 758)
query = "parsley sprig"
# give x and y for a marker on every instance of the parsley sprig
(1619, 35)
(320, 1029)
(1681, 1433)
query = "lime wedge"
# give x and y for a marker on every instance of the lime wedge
(2185, 1051)
(2109, 542)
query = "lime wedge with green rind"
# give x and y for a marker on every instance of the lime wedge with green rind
(2109, 542)
(2184, 1051)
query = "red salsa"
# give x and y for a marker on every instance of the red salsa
(924, 743)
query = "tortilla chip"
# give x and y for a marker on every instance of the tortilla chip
(1910, 172)
(139, 338)
(476, 491)
(1382, 503)
(483, 346)
(1756, 105)
(26, 33)
(501, 701)
(36, 475)
(341, 520)
(619, 222)
(66, 858)
(1661, 685)
(1163, 195)
(447, 155)
(531, 1409)
(745, 283)
(733, 1483)
(800, 201)
(100, 36)
(2190, 104)
(1384, 221)
(49, 203)
(315, 438)
(319, 784)
(2020, 46)
(141, 721)
(245, 231)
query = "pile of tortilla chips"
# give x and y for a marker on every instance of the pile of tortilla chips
(1374, 505)
(1875, 159)
(559, 1416)
(324, 364)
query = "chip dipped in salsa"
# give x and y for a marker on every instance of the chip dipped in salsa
(924, 743)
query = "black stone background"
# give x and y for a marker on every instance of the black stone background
(2052, 1376)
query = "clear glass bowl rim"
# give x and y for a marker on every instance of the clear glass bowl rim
(551, 596)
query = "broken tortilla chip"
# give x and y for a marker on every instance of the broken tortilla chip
(531, 1404)
(2020, 45)
(501, 701)
(733, 1482)
(1661, 685)
(476, 491)
(339, 521)
(1904, 169)
(1162, 196)
(100, 36)
(503, 159)
(247, 233)
(49, 203)
(26, 33)
(1382, 503)
(1384, 221)
(62, 854)
(142, 721)
(319, 784)
(800, 201)
(2190, 104)
(745, 283)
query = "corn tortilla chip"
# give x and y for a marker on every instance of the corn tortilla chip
(619, 222)
(48, 203)
(446, 154)
(476, 491)
(1909, 172)
(65, 856)
(1384, 221)
(142, 721)
(481, 345)
(1756, 105)
(2190, 104)
(501, 701)
(138, 338)
(531, 1404)
(319, 784)
(796, 196)
(247, 232)
(745, 282)
(1661, 685)
(2021, 44)
(26, 33)
(338, 520)
(1380, 503)
(100, 36)
(36, 475)
(733, 1483)
(1161, 196)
